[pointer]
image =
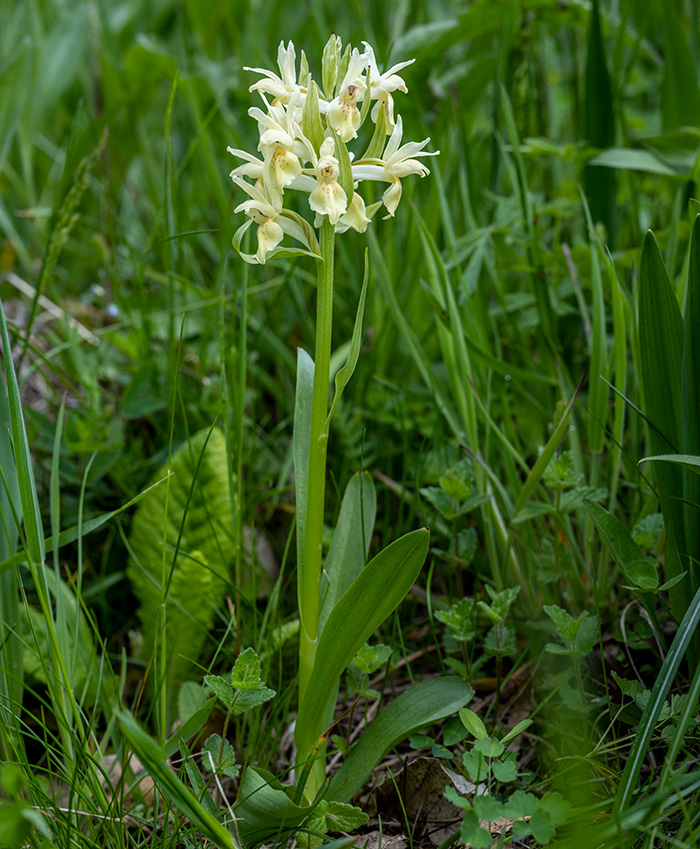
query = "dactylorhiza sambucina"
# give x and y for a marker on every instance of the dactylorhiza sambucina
(305, 135)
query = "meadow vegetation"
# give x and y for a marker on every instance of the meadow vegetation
(511, 359)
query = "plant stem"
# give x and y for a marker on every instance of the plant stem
(309, 570)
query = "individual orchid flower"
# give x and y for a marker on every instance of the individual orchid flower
(381, 86)
(278, 141)
(328, 197)
(397, 162)
(343, 114)
(281, 88)
(265, 209)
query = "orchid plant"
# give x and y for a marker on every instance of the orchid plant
(306, 133)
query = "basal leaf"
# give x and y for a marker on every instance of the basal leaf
(370, 600)
(422, 705)
(348, 552)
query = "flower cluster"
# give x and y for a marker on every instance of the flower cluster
(304, 136)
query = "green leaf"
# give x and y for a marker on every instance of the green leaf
(518, 729)
(248, 699)
(25, 474)
(369, 601)
(579, 634)
(504, 771)
(458, 618)
(472, 834)
(376, 145)
(642, 574)
(303, 405)
(420, 741)
(489, 747)
(541, 826)
(343, 377)
(500, 641)
(680, 97)
(343, 817)
(190, 727)
(475, 764)
(245, 674)
(264, 810)
(599, 122)
(660, 333)
(454, 731)
(221, 688)
(556, 806)
(195, 514)
(424, 704)
(152, 757)
(520, 804)
(690, 403)
(370, 658)
(217, 759)
(473, 723)
(635, 160)
(311, 118)
(691, 462)
(345, 174)
(615, 534)
(642, 738)
(488, 808)
(547, 453)
(347, 555)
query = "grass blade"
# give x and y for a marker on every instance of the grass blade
(667, 673)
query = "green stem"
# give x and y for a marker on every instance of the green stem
(309, 574)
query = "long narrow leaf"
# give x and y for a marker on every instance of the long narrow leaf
(547, 453)
(346, 372)
(422, 705)
(664, 679)
(371, 599)
(152, 756)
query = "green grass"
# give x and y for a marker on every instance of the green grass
(525, 346)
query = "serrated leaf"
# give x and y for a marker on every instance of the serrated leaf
(521, 804)
(541, 826)
(472, 834)
(488, 808)
(245, 674)
(219, 760)
(500, 641)
(197, 524)
(221, 689)
(557, 807)
(504, 771)
(489, 747)
(475, 764)
(370, 658)
(248, 699)
(453, 796)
